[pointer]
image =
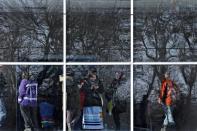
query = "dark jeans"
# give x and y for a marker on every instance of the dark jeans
(29, 115)
(116, 117)
(78, 125)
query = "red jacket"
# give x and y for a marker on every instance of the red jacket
(167, 84)
(82, 99)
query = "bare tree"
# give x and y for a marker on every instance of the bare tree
(97, 32)
(165, 36)
(36, 28)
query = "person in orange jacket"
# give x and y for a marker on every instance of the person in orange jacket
(167, 98)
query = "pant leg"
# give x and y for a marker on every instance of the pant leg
(165, 122)
(34, 118)
(78, 125)
(26, 114)
(69, 119)
(110, 106)
(170, 116)
(116, 116)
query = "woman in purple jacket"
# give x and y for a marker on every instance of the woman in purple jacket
(28, 102)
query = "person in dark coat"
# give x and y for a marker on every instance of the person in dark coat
(93, 104)
(115, 106)
(93, 89)
(72, 101)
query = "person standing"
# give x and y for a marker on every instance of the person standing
(78, 125)
(28, 102)
(92, 110)
(72, 101)
(115, 106)
(167, 97)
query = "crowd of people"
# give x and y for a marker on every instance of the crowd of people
(87, 97)
(38, 110)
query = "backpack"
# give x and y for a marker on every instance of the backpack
(92, 118)
(47, 111)
(31, 92)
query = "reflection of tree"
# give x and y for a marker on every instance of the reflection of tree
(30, 27)
(188, 29)
(2, 83)
(165, 36)
(189, 74)
(97, 32)
(9, 94)
(155, 35)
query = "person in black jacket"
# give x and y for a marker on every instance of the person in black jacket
(93, 89)
(115, 106)
(72, 101)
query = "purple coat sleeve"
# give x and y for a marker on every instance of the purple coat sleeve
(22, 90)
